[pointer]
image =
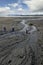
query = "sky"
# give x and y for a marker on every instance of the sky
(21, 7)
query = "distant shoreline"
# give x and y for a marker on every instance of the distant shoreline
(24, 16)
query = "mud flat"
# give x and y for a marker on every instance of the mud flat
(14, 49)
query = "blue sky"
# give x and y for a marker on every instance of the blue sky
(6, 2)
(20, 7)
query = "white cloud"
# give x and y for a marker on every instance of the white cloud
(16, 10)
(19, 10)
(14, 4)
(5, 11)
(34, 5)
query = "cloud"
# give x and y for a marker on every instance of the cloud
(34, 5)
(14, 9)
(20, 8)
(14, 4)
(26, 7)
(5, 11)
